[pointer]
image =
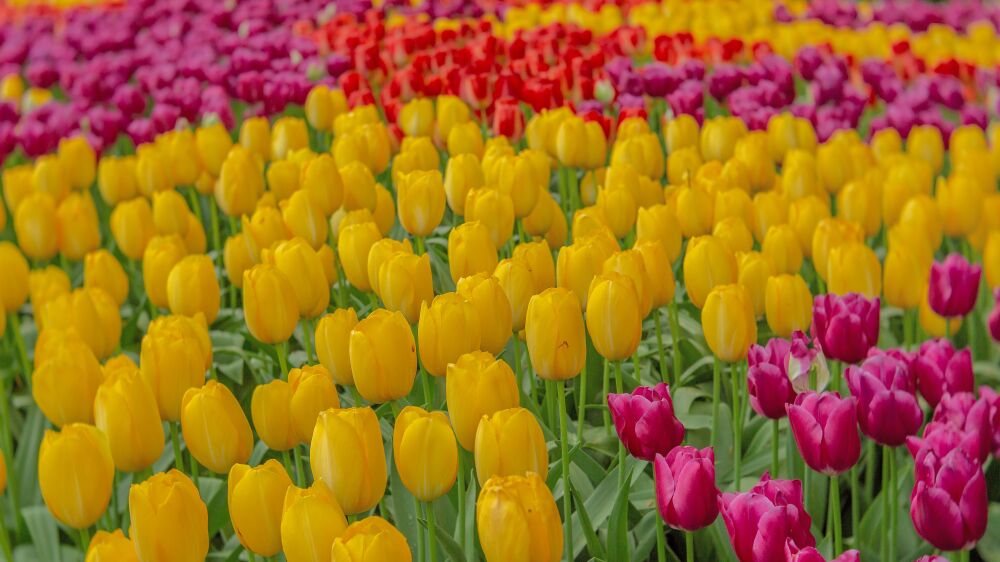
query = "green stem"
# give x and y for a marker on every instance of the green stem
(775, 463)
(661, 356)
(175, 440)
(517, 363)
(341, 282)
(675, 337)
(462, 471)
(582, 407)
(894, 502)
(22, 354)
(431, 532)
(425, 379)
(421, 552)
(307, 330)
(661, 539)
(870, 455)
(419, 243)
(886, 473)
(300, 471)
(689, 546)
(358, 400)
(737, 427)
(855, 502)
(834, 526)
(606, 388)
(286, 459)
(947, 328)
(5, 541)
(195, 202)
(619, 386)
(281, 349)
(194, 471)
(716, 396)
(964, 555)
(216, 237)
(84, 540)
(559, 388)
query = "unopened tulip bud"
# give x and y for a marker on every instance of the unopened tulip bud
(75, 474)
(349, 434)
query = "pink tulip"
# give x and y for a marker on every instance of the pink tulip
(948, 505)
(953, 287)
(846, 327)
(645, 421)
(825, 427)
(939, 369)
(768, 384)
(686, 493)
(887, 407)
(810, 554)
(994, 320)
(759, 522)
(959, 421)
(992, 398)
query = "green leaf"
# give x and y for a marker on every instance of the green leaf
(26, 457)
(215, 494)
(451, 548)
(403, 510)
(594, 546)
(989, 546)
(44, 532)
(618, 522)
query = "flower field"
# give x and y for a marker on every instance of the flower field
(523, 281)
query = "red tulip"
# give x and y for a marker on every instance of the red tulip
(948, 505)
(686, 494)
(887, 406)
(846, 327)
(825, 427)
(759, 522)
(645, 421)
(939, 369)
(954, 286)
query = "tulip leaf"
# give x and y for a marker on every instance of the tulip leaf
(720, 540)
(403, 512)
(645, 533)
(215, 494)
(618, 527)
(26, 457)
(452, 550)
(44, 532)
(594, 546)
(989, 545)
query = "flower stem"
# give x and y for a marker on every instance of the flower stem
(5, 539)
(675, 336)
(716, 392)
(419, 243)
(300, 472)
(250, 555)
(661, 539)
(286, 459)
(886, 473)
(462, 471)
(620, 387)
(661, 356)
(689, 546)
(216, 237)
(84, 540)
(775, 463)
(175, 440)
(431, 531)
(894, 502)
(307, 329)
(421, 552)
(605, 390)
(425, 379)
(855, 501)
(282, 350)
(833, 525)
(582, 408)
(558, 390)
(737, 427)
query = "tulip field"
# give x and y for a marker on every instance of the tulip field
(499, 281)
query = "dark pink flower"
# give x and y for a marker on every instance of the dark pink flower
(888, 411)
(762, 520)
(645, 421)
(992, 398)
(953, 286)
(948, 505)
(846, 327)
(686, 494)
(810, 554)
(825, 427)
(939, 369)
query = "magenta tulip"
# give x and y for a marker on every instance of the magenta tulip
(846, 327)
(810, 554)
(932, 558)
(888, 411)
(948, 505)
(686, 493)
(992, 398)
(939, 369)
(759, 522)
(994, 320)
(768, 384)
(905, 357)
(645, 421)
(959, 421)
(825, 427)
(953, 286)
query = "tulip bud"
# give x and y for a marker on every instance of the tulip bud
(477, 386)
(75, 474)
(303, 218)
(265, 228)
(448, 328)
(92, 313)
(465, 138)
(283, 179)
(170, 213)
(310, 521)
(213, 142)
(270, 411)
(470, 250)
(51, 178)
(333, 334)
(353, 245)
(416, 431)
(303, 268)
(288, 134)
(949, 505)
(579, 263)
(686, 494)
(102, 271)
(825, 429)
(18, 183)
(193, 288)
(923, 213)
(125, 410)
(829, 234)
(495, 210)
(321, 180)
(175, 353)
(152, 170)
(37, 226)
(215, 428)
(940, 370)
(487, 295)
(269, 304)
(510, 443)
(463, 174)
(79, 231)
(619, 208)
(162, 508)
(79, 161)
(925, 142)
(370, 540)
(637, 413)
(538, 258)
(555, 334)
(954, 286)
(694, 211)
(162, 254)
(111, 547)
(319, 108)
(343, 434)
(65, 383)
(904, 278)
(517, 519)
(405, 283)
(734, 232)
(854, 268)
(804, 216)
(788, 303)
(255, 499)
(680, 132)
(44, 285)
(781, 247)
(240, 183)
(383, 356)
(14, 281)
(416, 118)
(660, 223)
(708, 262)
(845, 327)
(729, 322)
(518, 284)
(887, 406)
(132, 227)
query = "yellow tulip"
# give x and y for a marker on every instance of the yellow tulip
(102, 271)
(555, 334)
(405, 282)
(116, 179)
(487, 295)
(470, 250)
(152, 170)
(538, 257)
(770, 208)
(321, 180)
(451, 111)
(416, 117)
(579, 263)
(854, 268)
(448, 328)
(886, 143)
(719, 136)
(283, 179)
(632, 264)
(556, 235)
(754, 271)
(262, 230)
(465, 138)
(319, 108)
(495, 210)
(215, 428)
(353, 245)
(729, 322)
(708, 262)
(829, 234)
(51, 177)
(463, 174)
(125, 410)
(904, 277)
(255, 498)
(786, 132)
(312, 391)
(14, 281)
(991, 259)
(833, 161)
(804, 215)
(94, 315)
(960, 200)
(304, 270)
(925, 142)
(132, 227)
(517, 519)
(371, 540)
(37, 226)
(619, 208)
(680, 132)
(213, 142)
(75, 474)
(753, 151)
(192, 288)
(163, 508)
(236, 258)
(111, 547)
(287, 135)
(65, 383)
(304, 218)
(271, 415)
(735, 233)
(695, 211)
(510, 442)
(359, 187)
(347, 456)
(860, 201)
(380, 252)
(782, 248)
(18, 183)
(682, 165)
(44, 285)
(518, 283)
(78, 228)
(922, 212)
(614, 316)
(170, 213)
(332, 340)
(383, 356)
(310, 521)
(181, 151)
(240, 183)
(788, 303)
(162, 254)
(478, 385)
(175, 353)
(269, 304)
(424, 449)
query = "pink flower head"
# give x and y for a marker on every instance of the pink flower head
(768, 384)
(645, 421)
(887, 407)
(686, 493)
(953, 287)
(939, 369)
(992, 399)
(810, 554)
(959, 421)
(762, 520)
(825, 427)
(994, 320)
(948, 505)
(846, 327)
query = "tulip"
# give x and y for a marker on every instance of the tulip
(75, 474)
(845, 327)
(768, 382)
(729, 322)
(215, 428)
(555, 334)
(788, 303)
(661, 276)
(579, 263)
(854, 268)
(761, 520)
(51, 177)
(181, 151)
(448, 328)
(333, 333)
(132, 227)
(255, 499)
(359, 187)
(614, 316)
(18, 183)
(660, 223)
(288, 134)
(162, 508)
(421, 199)
(493, 208)
(954, 286)
(708, 262)
(734, 232)
(686, 494)
(405, 283)
(270, 411)
(619, 208)
(283, 179)
(44, 285)
(162, 254)
(463, 174)
(681, 132)
(319, 108)
(470, 250)
(465, 138)
(940, 370)
(312, 391)
(860, 202)
(311, 519)
(825, 429)
(924, 214)
(949, 505)
(353, 435)
(353, 246)
(488, 297)
(193, 288)
(14, 281)
(519, 285)
(304, 270)
(903, 279)
(303, 218)
(213, 142)
(781, 246)
(125, 410)
(509, 443)
(538, 258)
(960, 421)
(92, 313)
(478, 385)
(321, 180)
(719, 136)
(383, 356)
(111, 547)
(517, 519)
(887, 406)
(809, 554)
(37, 226)
(102, 271)
(262, 230)
(925, 142)
(152, 170)
(417, 432)
(695, 211)
(804, 216)
(645, 421)
(831, 233)
(170, 213)
(269, 304)
(754, 272)
(240, 183)
(79, 161)
(370, 540)
(78, 228)
(175, 353)
(65, 383)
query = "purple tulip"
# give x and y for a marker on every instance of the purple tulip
(825, 427)
(887, 405)
(645, 421)
(948, 505)
(939, 369)
(953, 287)
(724, 80)
(810, 554)
(659, 79)
(759, 522)
(994, 319)
(846, 327)
(686, 494)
